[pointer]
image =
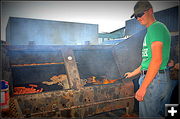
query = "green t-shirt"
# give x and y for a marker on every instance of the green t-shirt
(156, 32)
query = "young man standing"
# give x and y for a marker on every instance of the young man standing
(154, 80)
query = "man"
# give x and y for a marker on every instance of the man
(154, 80)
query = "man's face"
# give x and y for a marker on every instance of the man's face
(143, 20)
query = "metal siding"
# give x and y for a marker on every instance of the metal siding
(169, 17)
(46, 32)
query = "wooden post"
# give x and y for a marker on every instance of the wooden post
(71, 68)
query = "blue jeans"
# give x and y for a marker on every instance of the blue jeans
(157, 95)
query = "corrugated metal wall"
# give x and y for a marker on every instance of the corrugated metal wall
(169, 17)
(21, 31)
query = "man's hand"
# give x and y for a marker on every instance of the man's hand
(128, 75)
(134, 73)
(140, 94)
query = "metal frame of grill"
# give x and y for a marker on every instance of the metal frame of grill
(78, 100)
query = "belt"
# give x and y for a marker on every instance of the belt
(160, 71)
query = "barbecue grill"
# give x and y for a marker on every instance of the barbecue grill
(31, 66)
(69, 80)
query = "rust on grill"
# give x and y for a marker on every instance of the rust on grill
(78, 103)
(88, 105)
(80, 87)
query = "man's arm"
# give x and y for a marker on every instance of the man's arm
(134, 73)
(152, 69)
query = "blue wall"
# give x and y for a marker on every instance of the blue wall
(45, 32)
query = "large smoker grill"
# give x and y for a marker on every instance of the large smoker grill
(79, 100)
(32, 63)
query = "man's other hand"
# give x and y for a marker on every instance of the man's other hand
(141, 92)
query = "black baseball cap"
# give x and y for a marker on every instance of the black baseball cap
(140, 7)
